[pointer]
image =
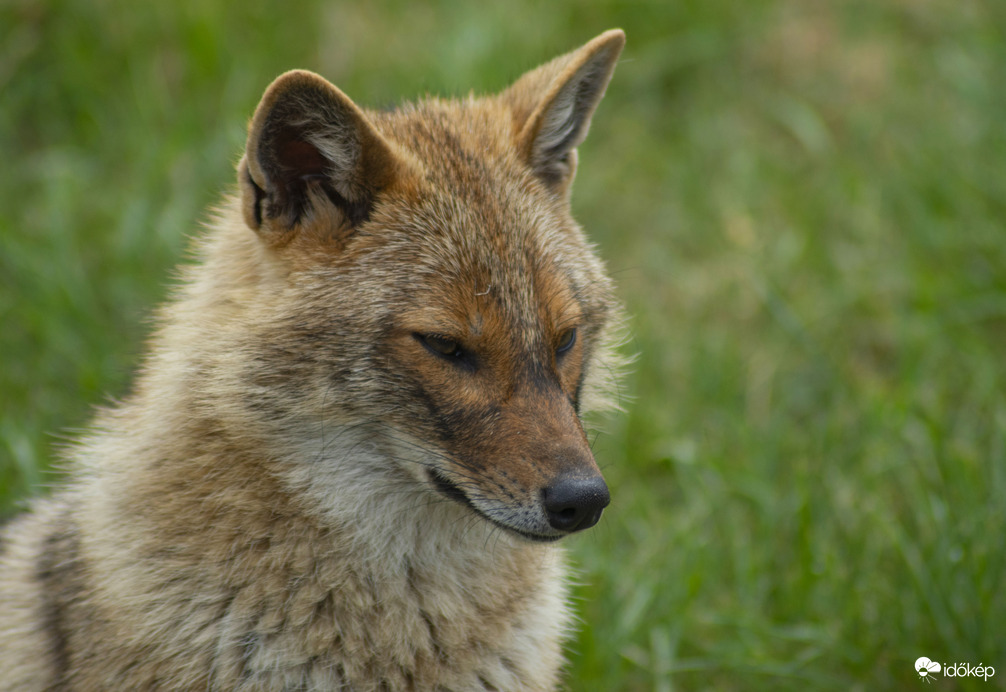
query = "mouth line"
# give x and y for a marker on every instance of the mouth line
(451, 491)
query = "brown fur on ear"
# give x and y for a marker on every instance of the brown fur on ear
(312, 157)
(553, 104)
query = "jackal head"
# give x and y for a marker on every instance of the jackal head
(422, 286)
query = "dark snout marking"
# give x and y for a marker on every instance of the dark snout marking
(574, 503)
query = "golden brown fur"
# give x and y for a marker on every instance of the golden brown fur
(340, 463)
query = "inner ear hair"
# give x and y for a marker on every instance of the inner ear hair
(312, 156)
(563, 95)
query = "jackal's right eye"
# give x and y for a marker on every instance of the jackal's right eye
(440, 344)
(445, 347)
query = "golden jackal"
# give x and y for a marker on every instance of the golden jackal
(356, 436)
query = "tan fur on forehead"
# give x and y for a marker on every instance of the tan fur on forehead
(485, 219)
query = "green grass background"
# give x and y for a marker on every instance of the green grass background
(804, 204)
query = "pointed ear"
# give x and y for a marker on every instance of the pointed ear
(552, 106)
(312, 158)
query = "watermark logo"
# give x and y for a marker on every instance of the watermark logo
(929, 670)
(926, 668)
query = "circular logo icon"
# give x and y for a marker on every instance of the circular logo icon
(926, 668)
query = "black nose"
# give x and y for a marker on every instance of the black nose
(574, 503)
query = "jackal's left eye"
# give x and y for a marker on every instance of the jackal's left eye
(566, 341)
